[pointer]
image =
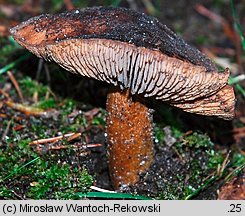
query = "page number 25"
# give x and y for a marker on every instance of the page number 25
(235, 208)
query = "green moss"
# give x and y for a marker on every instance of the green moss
(216, 158)
(199, 159)
(29, 87)
(177, 133)
(237, 159)
(169, 192)
(37, 127)
(59, 182)
(47, 104)
(43, 177)
(159, 134)
(68, 105)
(197, 140)
(99, 119)
(6, 193)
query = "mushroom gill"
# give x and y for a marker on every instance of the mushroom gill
(142, 58)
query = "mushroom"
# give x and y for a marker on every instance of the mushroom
(143, 59)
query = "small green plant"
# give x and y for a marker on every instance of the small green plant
(99, 119)
(29, 87)
(159, 134)
(106, 195)
(197, 140)
(59, 182)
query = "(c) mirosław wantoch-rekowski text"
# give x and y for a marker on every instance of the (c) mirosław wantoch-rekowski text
(116, 207)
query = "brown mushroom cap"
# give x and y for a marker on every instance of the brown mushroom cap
(119, 24)
(130, 50)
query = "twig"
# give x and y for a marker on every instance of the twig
(238, 169)
(42, 64)
(210, 175)
(238, 133)
(5, 94)
(74, 136)
(58, 147)
(239, 130)
(211, 15)
(18, 127)
(91, 113)
(179, 155)
(28, 110)
(39, 68)
(3, 115)
(47, 140)
(150, 7)
(224, 164)
(16, 85)
(17, 195)
(74, 146)
(101, 190)
(69, 5)
(52, 93)
(35, 97)
(93, 145)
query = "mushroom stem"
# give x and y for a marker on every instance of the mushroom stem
(129, 137)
